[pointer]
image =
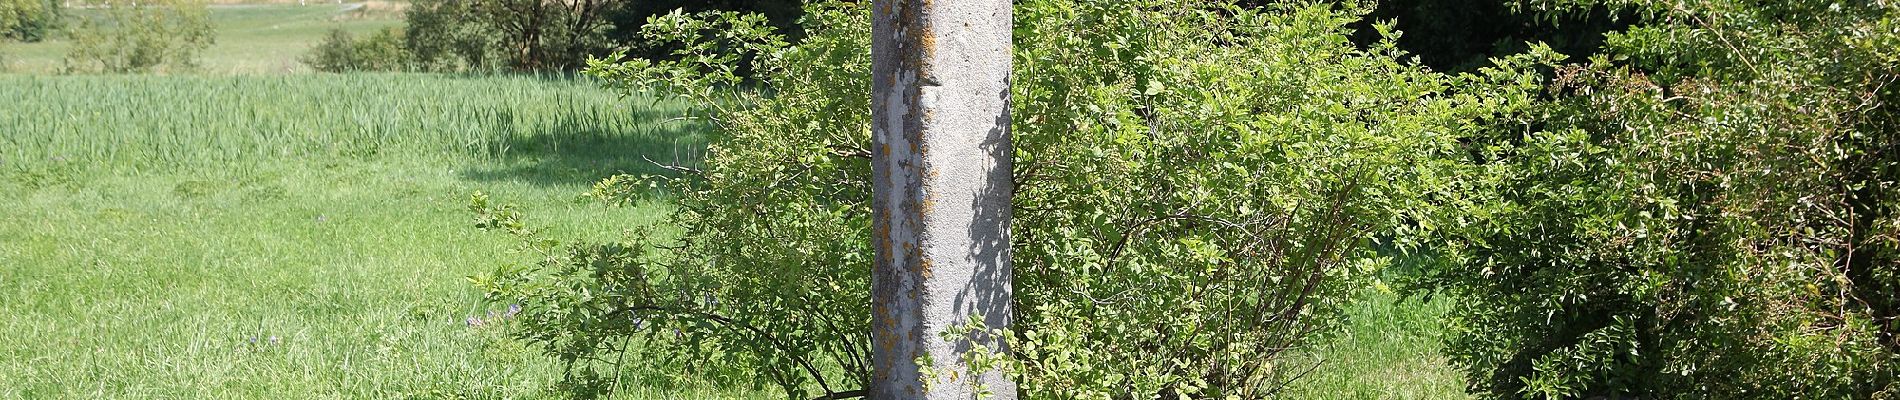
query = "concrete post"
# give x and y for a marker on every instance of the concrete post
(941, 170)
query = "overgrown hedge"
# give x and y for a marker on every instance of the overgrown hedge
(527, 35)
(1703, 208)
(1706, 209)
(29, 20)
(1198, 185)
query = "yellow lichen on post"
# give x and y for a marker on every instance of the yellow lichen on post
(941, 192)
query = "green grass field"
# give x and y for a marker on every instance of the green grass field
(304, 235)
(251, 38)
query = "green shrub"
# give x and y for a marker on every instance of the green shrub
(627, 19)
(28, 20)
(341, 52)
(1198, 184)
(488, 35)
(444, 35)
(1707, 210)
(141, 36)
(524, 35)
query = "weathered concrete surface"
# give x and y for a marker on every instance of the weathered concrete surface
(941, 170)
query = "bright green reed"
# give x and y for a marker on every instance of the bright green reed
(156, 121)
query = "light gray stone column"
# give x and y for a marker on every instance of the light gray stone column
(941, 170)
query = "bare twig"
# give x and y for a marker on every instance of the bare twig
(673, 167)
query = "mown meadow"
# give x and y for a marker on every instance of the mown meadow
(257, 231)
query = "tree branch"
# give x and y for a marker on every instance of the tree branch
(851, 394)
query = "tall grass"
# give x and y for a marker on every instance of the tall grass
(150, 121)
(297, 236)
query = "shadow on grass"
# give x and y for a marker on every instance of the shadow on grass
(583, 147)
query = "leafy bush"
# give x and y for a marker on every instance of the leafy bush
(141, 36)
(1705, 211)
(1464, 35)
(1197, 186)
(522, 35)
(628, 18)
(341, 52)
(28, 20)
(487, 35)
(442, 35)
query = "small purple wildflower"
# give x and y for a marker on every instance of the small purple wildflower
(274, 339)
(494, 316)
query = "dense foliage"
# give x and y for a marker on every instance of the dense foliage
(25, 20)
(343, 52)
(628, 18)
(446, 35)
(1198, 186)
(1703, 206)
(140, 36)
(1705, 210)
(28, 20)
(542, 34)
(529, 35)
(1460, 36)
(481, 35)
